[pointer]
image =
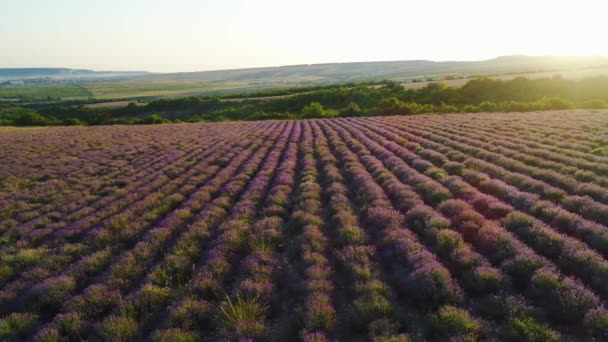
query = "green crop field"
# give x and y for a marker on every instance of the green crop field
(41, 92)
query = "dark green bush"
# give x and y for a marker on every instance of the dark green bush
(452, 322)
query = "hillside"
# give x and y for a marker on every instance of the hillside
(136, 84)
(358, 71)
(61, 74)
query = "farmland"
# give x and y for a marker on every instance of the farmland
(331, 101)
(42, 92)
(76, 84)
(430, 227)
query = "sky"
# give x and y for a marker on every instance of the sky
(191, 35)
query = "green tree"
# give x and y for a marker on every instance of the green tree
(313, 110)
(352, 109)
(155, 119)
(31, 119)
(72, 122)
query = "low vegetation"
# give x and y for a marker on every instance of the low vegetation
(347, 100)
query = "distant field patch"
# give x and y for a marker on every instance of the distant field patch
(42, 92)
(180, 88)
(5, 129)
(151, 89)
(112, 104)
(571, 75)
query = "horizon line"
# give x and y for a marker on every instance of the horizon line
(314, 64)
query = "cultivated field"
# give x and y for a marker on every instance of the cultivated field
(112, 104)
(571, 75)
(188, 84)
(472, 227)
(42, 92)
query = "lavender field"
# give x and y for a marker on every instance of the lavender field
(463, 227)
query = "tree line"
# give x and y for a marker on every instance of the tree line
(336, 100)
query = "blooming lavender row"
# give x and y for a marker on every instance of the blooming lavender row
(573, 256)
(104, 165)
(309, 250)
(513, 161)
(577, 292)
(571, 129)
(593, 233)
(96, 262)
(174, 271)
(256, 276)
(419, 277)
(120, 278)
(485, 284)
(569, 162)
(475, 154)
(112, 200)
(584, 205)
(561, 173)
(372, 311)
(469, 227)
(558, 140)
(192, 312)
(65, 255)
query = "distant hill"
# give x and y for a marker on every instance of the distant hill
(341, 72)
(65, 83)
(331, 72)
(62, 73)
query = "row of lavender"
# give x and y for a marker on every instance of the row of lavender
(387, 229)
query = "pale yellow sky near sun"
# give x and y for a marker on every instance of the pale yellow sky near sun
(188, 35)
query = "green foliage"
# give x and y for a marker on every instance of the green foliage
(192, 313)
(30, 118)
(316, 110)
(49, 335)
(241, 317)
(27, 257)
(118, 329)
(16, 326)
(597, 323)
(351, 110)
(38, 92)
(454, 322)
(594, 104)
(393, 106)
(527, 329)
(154, 119)
(343, 100)
(367, 307)
(486, 106)
(72, 122)
(50, 294)
(395, 338)
(175, 335)
(69, 324)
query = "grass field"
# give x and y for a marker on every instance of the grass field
(159, 88)
(42, 92)
(112, 104)
(141, 89)
(12, 128)
(566, 74)
(156, 86)
(452, 227)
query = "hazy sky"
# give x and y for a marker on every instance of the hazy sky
(188, 35)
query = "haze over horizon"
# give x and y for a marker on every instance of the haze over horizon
(188, 35)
